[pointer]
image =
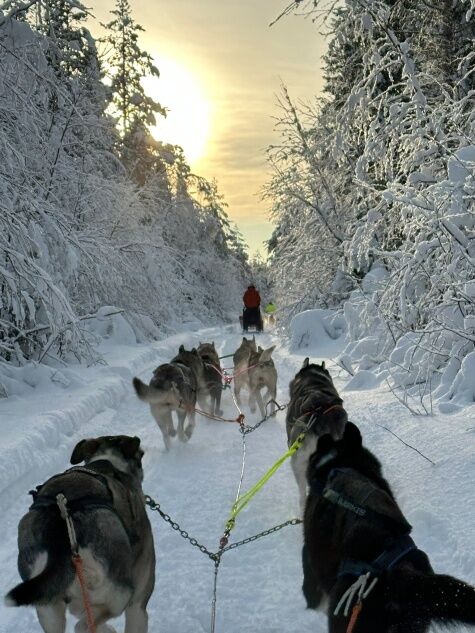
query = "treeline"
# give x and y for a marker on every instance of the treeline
(373, 185)
(93, 210)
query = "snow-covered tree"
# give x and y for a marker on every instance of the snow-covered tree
(127, 65)
(386, 159)
(77, 233)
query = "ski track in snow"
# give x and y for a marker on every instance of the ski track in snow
(259, 584)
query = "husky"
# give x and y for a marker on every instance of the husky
(314, 401)
(106, 504)
(241, 359)
(262, 373)
(212, 375)
(174, 387)
(353, 526)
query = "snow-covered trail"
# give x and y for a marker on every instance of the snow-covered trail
(259, 583)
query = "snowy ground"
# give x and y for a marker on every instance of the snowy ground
(259, 583)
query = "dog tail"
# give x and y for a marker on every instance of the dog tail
(55, 577)
(145, 392)
(438, 597)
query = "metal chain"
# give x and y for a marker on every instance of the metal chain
(153, 505)
(250, 539)
(279, 407)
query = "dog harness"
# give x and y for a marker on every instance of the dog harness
(84, 502)
(400, 544)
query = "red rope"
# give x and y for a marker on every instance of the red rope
(211, 416)
(78, 565)
(226, 377)
(334, 406)
(354, 617)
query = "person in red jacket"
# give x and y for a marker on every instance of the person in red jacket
(252, 298)
(251, 314)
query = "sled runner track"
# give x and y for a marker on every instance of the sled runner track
(238, 505)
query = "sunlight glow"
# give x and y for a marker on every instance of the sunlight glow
(189, 113)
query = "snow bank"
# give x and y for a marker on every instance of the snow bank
(435, 370)
(317, 332)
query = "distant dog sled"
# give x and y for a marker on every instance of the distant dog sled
(251, 318)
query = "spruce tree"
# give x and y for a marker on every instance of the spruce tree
(128, 64)
(72, 50)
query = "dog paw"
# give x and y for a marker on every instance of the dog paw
(188, 432)
(171, 432)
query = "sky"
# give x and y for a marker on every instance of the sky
(221, 70)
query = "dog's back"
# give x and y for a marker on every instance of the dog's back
(314, 401)
(104, 501)
(353, 526)
(243, 353)
(262, 374)
(192, 360)
(312, 393)
(42, 530)
(212, 375)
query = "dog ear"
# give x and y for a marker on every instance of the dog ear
(212, 345)
(323, 364)
(306, 363)
(195, 351)
(325, 443)
(266, 354)
(129, 446)
(352, 435)
(83, 450)
(181, 349)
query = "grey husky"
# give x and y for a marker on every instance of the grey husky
(262, 374)
(106, 503)
(313, 398)
(241, 360)
(175, 387)
(212, 375)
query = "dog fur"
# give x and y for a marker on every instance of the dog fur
(312, 390)
(408, 596)
(212, 375)
(175, 387)
(241, 359)
(172, 388)
(262, 374)
(114, 536)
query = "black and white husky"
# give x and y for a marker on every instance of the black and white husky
(357, 539)
(106, 503)
(314, 400)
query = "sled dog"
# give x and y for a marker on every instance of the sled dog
(313, 399)
(212, 375)
(106, 504)
(354, 526)
(262, 373)
(241, 359)
(175, 386)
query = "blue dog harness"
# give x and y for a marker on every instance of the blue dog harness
(400, 544)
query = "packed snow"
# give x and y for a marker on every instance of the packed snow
(259, 584)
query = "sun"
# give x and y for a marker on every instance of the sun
(188, 112)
